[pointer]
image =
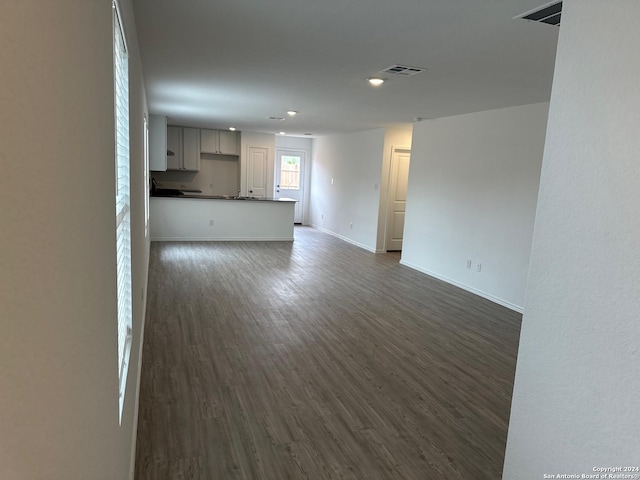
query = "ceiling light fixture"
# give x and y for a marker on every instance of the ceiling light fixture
(292, 113)
(233, 129)
(276, 118)
(282, 133)
(376, 81)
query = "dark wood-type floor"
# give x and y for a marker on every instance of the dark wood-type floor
(318, 360)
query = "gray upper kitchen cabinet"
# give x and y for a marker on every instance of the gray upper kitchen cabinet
(174, 148)
(183, 149)
(222, 142)
(229, 142)
(157, 143)
(191, 149)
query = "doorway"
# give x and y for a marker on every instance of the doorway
(290, 167)
(397, 200)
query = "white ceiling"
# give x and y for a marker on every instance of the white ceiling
(222, 63)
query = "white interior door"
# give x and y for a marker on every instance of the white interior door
(257, 172)
(396, 206)
(290, 166)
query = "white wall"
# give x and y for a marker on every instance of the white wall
(296, 143)
(473, 184)
(354, 162)
(575, 403)
(58, 324)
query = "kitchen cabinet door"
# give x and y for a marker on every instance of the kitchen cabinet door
(174, 148)
(209, 141)
(183, 149)
(228, 144)
(191, 149)
(157, 143)
(220, 142)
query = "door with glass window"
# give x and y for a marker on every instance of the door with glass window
(290, 179)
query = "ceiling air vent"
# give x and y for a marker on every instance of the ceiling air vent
(402, 70)
(549, 13)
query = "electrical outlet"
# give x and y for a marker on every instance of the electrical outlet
(322, 217)
(468, 263)
(479, 267)
(211, 222)
(351, 225)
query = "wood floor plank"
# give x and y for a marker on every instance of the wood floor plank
(318, 360)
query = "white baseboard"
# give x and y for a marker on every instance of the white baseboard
(220, 239)
(348, 240)
(499, 301)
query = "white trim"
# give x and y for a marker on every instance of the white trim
(147, 201)
(348, 240)
(480, 293)
(221, 239)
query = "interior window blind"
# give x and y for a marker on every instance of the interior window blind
(123, 216)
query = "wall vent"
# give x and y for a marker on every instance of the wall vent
(402, 70)
(549, 13)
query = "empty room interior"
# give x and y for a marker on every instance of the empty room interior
(319, 240)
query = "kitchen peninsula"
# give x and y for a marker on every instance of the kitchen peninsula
(184, 216)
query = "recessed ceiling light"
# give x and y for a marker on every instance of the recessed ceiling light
(291, 113)
(376, 81)
(276, 118)
(308, 133)
(282, 133)
(233, 129)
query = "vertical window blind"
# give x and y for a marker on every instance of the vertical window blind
(123, 215)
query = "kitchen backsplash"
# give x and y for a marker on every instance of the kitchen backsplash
(218, 175)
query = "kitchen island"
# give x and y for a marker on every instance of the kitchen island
(218, 218)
